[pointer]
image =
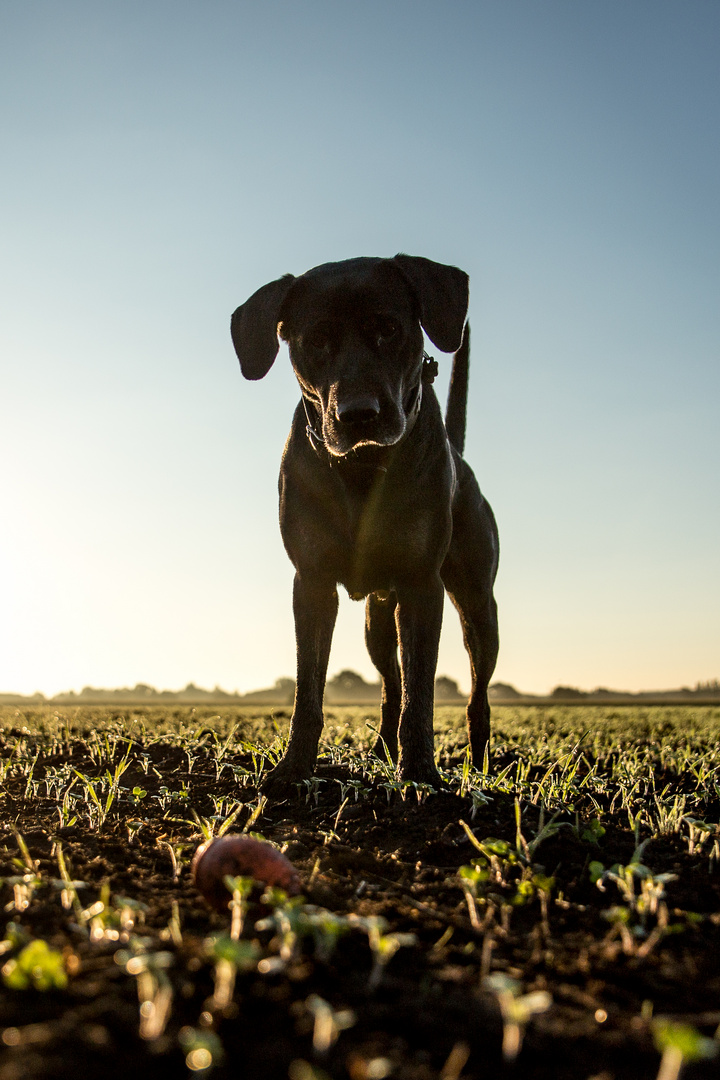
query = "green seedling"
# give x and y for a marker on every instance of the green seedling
(641, 890)
(288, 921)
(240, 889)
(27, 862)
(328, 1023)
(383, 946)
(357, 788)
(312, 788)
(479, 799)
(670, 816)
(516, 1010)
(16, 937)
(596, 870)
(202, 1048)
(471, 877)
(8, 765)
(536, 885)
(680, 1044)
(230, 956)
(526, 849)
(36, 967)
(23, 886)
(113, 920)
(173, 930)
(133, 827)
(255, 814)
(325, 928)
(31, 786)
(164, 796)
(699, 832)
(593, 833)
(154, 989)
(643, 894)
(175, 853)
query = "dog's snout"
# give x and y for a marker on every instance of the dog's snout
(359, 410)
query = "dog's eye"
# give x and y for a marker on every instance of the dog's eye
(385, 327)
(318, 336)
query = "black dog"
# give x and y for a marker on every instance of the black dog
(374, 493)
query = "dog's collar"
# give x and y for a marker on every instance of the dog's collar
(427, 375)
(316, 441)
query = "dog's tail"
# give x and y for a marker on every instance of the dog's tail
(456, 410)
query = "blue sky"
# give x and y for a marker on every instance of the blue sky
(161, 161)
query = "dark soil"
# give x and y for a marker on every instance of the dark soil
(431, 1015)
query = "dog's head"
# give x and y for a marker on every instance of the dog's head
(354, 333)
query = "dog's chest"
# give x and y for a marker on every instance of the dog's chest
(378, 539)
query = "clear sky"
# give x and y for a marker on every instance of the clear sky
(162, 160)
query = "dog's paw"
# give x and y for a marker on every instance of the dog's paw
(282, 780)
(425, 776)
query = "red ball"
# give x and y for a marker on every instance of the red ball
(240, 856)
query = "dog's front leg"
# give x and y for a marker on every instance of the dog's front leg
(315, 606)
(419, 620)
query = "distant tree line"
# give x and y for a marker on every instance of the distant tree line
(350, 688)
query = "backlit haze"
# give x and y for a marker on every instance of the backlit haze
(161, 161)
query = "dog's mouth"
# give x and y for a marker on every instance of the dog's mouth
(346, 441)
(366, 422)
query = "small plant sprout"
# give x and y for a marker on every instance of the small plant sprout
(133, 827)
(230, 956)
(27, 863)
(457, 1059)
(113, 920)
(545, 831)
(173, 930)
(632, 919)
(68, 888)
(31, 786)
(383, 946)
(328, 1023)
(465, 773)
(326, 930)
(287, 920)
(516, 1010)
(240, 888)
(479, 799)
(202, 1048)
(678, 1044)
(255, 814)
(643, 901)
(23, 884)
(312, 788)
(699, 832)
(357, 787)
(36, 967)
(471, 877)
(173, 851)
(155, 992)
(593, 832)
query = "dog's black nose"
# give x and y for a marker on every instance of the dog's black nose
(360, 410)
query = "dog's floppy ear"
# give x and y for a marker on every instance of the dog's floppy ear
(254, 328)
(442, 293)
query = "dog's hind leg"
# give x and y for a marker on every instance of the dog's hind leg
(382, 644)
(468, 574)
(478, 617)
